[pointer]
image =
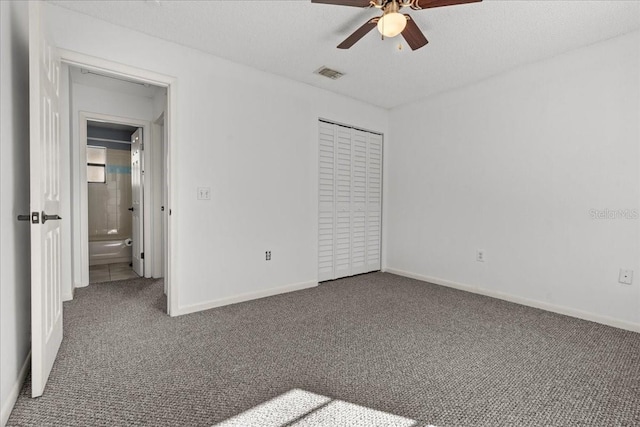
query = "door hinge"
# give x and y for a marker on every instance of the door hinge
(142, 146)
(141, 255)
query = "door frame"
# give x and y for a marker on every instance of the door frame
(158, 218)
(96, 64)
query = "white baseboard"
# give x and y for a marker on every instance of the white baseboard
(7, 406)
(605, 320)
(244, 297)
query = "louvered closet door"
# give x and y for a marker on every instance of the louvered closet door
(359, 202)
(350, 201)
(343, 202)
(374, 201)
(326, 226)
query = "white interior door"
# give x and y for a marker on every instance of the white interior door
(46, 298)
(137, 188)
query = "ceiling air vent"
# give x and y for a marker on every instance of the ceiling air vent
(328, 72)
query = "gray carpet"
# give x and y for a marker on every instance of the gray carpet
(397, 345)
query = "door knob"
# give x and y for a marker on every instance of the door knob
(46, 217)
(34, 217)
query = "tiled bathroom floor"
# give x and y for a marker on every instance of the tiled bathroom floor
(111, 272)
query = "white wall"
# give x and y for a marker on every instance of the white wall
(513, 165)
(252, 138)
(15, 288)
(97, 100)
(89, 99)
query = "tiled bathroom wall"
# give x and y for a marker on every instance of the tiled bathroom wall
(109, 203)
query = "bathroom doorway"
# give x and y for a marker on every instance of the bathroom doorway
(120, 183)
(114, 188)
(123, 196)
(106, 112)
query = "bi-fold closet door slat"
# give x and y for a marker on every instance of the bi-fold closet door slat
(350, 185)
(343, 202)
(374, 202)
(327, 196)
(359, 203)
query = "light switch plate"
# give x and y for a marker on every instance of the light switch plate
(204, 193)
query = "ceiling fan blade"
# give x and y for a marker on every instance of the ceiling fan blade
(354, 3)
(358, 34)
(412, 34)
(426, 4)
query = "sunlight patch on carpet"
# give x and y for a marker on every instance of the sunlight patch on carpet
(299, 408)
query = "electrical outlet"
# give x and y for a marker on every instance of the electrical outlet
(480, 256)
(267, 255)
(626, 277)
(204, 193)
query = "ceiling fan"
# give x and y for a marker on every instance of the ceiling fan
(392, 22)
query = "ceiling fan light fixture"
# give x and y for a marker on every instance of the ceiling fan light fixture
(392, 24)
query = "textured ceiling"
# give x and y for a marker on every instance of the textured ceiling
(292, 38)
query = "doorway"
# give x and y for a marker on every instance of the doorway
(120, 232)
(111, 251)
(114, 188)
